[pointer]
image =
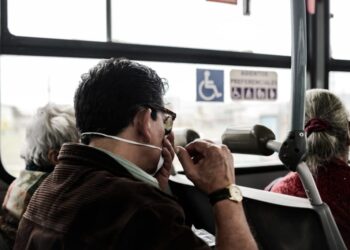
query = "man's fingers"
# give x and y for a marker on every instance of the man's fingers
(183, 156)
(167, 145)
(185, 160)
(168, 159)
(171, 138)
(210, 141)
(198, 146)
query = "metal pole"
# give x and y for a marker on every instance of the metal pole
(299, 61)
(309, 184)
(274, 145)
(109, 20)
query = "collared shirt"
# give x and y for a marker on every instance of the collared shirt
(134, 170)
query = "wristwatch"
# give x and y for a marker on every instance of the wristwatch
(231, 192)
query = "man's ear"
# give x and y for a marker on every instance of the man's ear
(52, 155)
(142, 123)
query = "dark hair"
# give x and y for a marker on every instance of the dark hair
(109, 96)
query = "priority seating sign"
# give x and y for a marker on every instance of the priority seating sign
(253, 85)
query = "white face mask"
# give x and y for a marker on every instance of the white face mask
(159, 165)
(161, 158)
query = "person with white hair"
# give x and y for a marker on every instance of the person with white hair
(51, 126)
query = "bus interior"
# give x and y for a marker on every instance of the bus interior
(237, 73)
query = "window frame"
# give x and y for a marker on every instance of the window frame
(35, 46)
(320, 63)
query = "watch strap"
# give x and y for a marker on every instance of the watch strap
(219, 195)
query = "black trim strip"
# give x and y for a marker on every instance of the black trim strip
(259, 169)
(15, 45)
(339, 65)
(255, 169)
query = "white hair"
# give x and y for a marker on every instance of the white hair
(325, 145)
(51, 126)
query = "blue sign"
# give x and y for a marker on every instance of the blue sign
(210, 85)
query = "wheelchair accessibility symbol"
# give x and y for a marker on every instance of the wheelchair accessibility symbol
(210, 85)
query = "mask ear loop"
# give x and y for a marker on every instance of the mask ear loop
(121, 139)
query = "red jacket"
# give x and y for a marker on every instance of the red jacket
(333, 183)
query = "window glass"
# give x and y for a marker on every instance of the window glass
(26, 84)
(210, 119)
(30, 82)
(204, 24)
(338, 84)
(339, 47)
(180, 23)
(66, 19)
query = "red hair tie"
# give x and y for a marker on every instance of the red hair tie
(316, 125)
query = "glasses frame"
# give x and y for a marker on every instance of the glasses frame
(166, 111)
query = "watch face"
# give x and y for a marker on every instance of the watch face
(235, 193)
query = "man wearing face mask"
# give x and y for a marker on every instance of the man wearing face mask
(109, 192)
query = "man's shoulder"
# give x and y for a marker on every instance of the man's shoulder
(89, 167)
(79, 183)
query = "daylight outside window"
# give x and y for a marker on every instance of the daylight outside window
(47, 79)
(339, 42)
(179, 23)
(204, 25)
(28, 82)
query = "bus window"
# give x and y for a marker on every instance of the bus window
(339, 42)
(29, 82)
(338, 82)
(181, 23)
(65, 19)
(26, 84)
(203, 24)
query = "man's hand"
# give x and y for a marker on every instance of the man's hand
(168, 153)
(209, 166)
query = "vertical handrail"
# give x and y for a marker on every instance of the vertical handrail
(309, 184)
(297, 135)
(299, 62)
(109, 20)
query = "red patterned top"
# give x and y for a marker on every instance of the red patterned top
(333, 183)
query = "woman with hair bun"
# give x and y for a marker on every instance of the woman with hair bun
(327, 130)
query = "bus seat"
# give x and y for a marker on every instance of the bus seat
(3, 189)
(198, 211)
(277, 221)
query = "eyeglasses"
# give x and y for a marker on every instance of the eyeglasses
(169, 116)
